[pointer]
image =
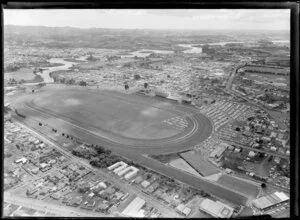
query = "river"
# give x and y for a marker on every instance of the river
(46, 73)
(191, 48)
(145, 53)
(196, 48)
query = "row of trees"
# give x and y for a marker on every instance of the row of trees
(126, 86)
(98, 155)
(68, 81)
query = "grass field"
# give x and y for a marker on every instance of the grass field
(184, 166)
(199, 163)
(128, 118)
(23, 73)
(238, 185)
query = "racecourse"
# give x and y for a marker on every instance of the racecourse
(129, 121)
(134, 148)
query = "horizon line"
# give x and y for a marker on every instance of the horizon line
(160, 29)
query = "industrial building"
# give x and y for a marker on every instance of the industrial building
(134, 208)
(130, 169)
(183, 209)
(120, 168)
(132, 173)
(216, 209)
(271, 200)
(116, 165)
(123, 166)
(22, 160)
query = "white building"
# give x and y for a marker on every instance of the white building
(132, 171)
(22, 160)
(116, 165)
(120, 168)
(131, 174)
(134, 208)
(216, 209)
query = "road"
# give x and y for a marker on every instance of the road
(117, 182)
(233, 73)
(228, 88)
(43, 206)
(257, 150)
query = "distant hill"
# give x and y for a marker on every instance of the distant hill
(117, 38)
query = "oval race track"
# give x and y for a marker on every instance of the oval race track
(199, 128)
(134, 149)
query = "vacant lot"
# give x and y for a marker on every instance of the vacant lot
(184, 166)
(199, 163)
(238, 185)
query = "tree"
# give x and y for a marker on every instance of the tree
(263, 185)
(90, 58)
(137, 76)
(41, 84)
(126, 87)
(12, 81)
(82, 83)
(71, 81)
(145, 85)
(62, 80)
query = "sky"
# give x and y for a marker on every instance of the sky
(194, 19)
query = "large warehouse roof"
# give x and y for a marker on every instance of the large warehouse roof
(216, 209)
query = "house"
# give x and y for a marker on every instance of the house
(251, 154)
(77, 201)
(183, 209)
(102, 207)
(145, 183)
(277, 160)
(43, 165)
(227, 170)
(56, 196)
(237, 150)
(91, 195)
(118, 195)
(61, 158)
(22, 160)
(31, 191)
(35, 170)
(138, 180)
